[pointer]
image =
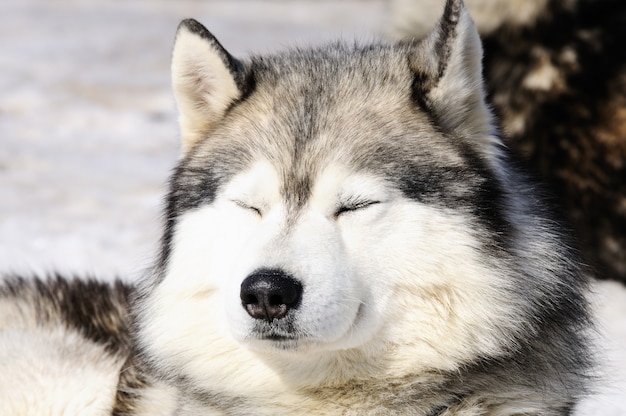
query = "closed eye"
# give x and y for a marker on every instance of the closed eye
(247, 207)
(354, 206)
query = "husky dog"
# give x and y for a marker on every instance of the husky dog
(345, 234)
(556, 75)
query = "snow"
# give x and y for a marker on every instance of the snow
(88, 130)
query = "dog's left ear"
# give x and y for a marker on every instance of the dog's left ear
(448, 74)
(206, 81)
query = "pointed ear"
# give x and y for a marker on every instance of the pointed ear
(206, 80)
(448, 74)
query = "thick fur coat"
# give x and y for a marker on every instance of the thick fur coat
(344, 234)
(555, 74)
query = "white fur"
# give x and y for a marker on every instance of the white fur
(51, 371)
(391, 276)
(202, 83)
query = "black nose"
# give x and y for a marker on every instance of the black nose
(269, 294)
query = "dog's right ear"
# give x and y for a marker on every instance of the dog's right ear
(206, 80)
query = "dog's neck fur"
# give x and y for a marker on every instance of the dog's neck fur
(145, 390)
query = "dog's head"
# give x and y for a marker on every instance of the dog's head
(337, 210)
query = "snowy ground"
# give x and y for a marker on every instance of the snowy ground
(88, 129)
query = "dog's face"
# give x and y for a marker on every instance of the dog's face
(290, 275)
(326, 217)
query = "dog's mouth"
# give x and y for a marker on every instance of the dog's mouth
(285, 334)
(278, 338)
(280, 334)
(273, 341)
(278, 329)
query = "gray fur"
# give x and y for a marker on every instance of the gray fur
(555, 72)
(412, 116)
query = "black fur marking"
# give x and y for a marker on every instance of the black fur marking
(132, 382)
(195, 182)
(437, 411)
(96, 309)
(189, 188)
(247, 85)
(469, 187)
(420, 87)
(447, 31)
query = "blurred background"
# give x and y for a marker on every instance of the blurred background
(88, 130)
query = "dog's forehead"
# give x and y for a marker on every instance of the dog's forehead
(313, 109)
(311, 106)
(320, 85)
